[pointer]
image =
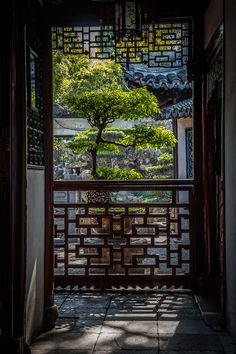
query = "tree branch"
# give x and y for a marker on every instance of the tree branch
(116, 143)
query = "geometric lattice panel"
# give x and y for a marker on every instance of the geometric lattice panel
(93, 41)
(150, 237)
(35, 138)
(169, 44)
(35, 82)
(164, 44)
(189, 152)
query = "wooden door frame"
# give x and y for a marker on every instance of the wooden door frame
(13, 177)
(50, 313)
(197, 55)
(198, 149)
(214, 54)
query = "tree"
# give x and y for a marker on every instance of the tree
(95, 90)
(77, 74)
(101, 108)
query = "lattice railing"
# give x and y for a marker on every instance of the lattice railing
(125, 232)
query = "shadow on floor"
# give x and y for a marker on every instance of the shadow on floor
(165, 323)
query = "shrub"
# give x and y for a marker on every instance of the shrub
(118, 173)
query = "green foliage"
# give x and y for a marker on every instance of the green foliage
(65, 68)
(77, 73)
(95, 90)
(164, 169)
(149, 137)
(158, 168)
(81, 146)
(113, 140)
(62, 156)
(166, 158)
(118, 173)
(102, 107)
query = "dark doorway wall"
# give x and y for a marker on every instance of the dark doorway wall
(12, 176)
(220, 127)
(214, 148)
(19, 249)
(230, 160)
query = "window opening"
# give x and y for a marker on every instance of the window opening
(137, 228)
(158, 58)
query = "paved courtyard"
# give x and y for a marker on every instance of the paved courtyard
(144, 323)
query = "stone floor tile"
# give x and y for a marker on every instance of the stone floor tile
(65, 324)
(134, 308)
(187, 314)
(190, 342)
(62, 351)
(88, 325)
(176, 307)
(82, 302)
(184, 327)
(188, 352)
(129, 327)
(147, 306)
(126, 351)
(227, 342)
(69, 341)
(131, 317)
(116, 341)
(60, 299)
(93, 323)
(67, 311)
(92, 314)
(78, 312)
(174, 302)
(80, 307)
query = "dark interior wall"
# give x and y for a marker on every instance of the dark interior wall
(13, 176)
(230, 159)
(91, 12)
(213, 19)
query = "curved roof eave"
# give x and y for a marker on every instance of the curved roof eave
(182, 109)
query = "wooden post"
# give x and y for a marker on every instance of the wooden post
(13, 178)
(50, 310)
(198, 57)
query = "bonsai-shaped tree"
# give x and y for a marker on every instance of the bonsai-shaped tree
(95, 90)
(101, 108)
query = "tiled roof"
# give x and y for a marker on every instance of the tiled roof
(182, 109)
(60, 111)
(168, 78)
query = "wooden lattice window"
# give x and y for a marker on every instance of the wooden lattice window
(189, 152)
(165, 44)
(35, 121)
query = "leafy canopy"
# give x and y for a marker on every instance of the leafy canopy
(110, 173)
(77, 73)
(95, 90)
(138, 137)
(102, 107)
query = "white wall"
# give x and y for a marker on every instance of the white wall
(230, 160)
(182, 124)
(35, 253)
(213, 18)
(71, 126)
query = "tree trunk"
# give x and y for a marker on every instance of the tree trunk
(94, 162)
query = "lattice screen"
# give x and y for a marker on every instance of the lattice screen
(142, 238)
(189, 152)
(35, 121)
(165, 44)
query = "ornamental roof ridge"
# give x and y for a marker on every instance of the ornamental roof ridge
(158, 77)
(181, 109)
